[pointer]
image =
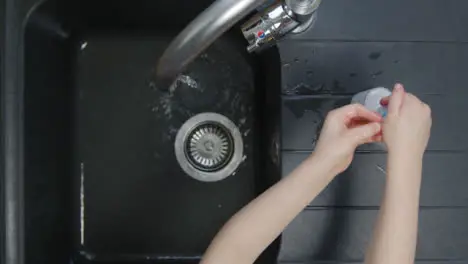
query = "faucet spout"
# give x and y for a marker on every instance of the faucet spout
(261, 31)
(202, 32)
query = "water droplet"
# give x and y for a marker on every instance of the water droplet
(375, 55)
(375, 74)
(84, 45)
(296, 60)
(242, 121)
(310, 73)
(381, 169)
(152, 86)
(319, 87)
(188, 81)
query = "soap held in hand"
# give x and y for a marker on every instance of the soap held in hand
(371, 99)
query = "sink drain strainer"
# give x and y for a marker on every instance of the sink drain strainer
(209, 147)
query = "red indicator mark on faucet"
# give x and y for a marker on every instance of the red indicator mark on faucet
(261, 34)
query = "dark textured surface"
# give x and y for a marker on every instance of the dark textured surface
(48, 143)
(396, 20)
(343, 234)
(362, 184)
(425, 68)
(101, 180)
(357, 45)
(303, 116)
(137, 198)
(362, 262)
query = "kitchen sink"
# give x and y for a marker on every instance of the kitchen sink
(101, 178)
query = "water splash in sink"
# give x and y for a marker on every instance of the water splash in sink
(188, 81)
(165, 103)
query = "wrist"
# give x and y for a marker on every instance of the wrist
(405, 169)
(405, 149)
(323, 164)
(406, 155)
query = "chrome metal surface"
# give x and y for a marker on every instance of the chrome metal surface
(303, 9)
(201, 32)
(209, 147)
(264, 29)
(306, 24)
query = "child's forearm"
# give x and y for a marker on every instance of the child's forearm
(395, 233)
(253, 228)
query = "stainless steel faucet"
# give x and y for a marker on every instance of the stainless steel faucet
(261, 31)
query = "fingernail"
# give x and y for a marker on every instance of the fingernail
(398, 87)
(377, 127)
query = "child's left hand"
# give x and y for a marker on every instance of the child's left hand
(345, 129)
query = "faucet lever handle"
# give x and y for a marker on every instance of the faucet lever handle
(265, 28)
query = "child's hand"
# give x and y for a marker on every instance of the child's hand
(406, 129)
(344, 129)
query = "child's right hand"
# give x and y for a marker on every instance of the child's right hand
(406, 129)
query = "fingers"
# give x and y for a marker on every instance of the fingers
(365, 133)
(413, 99)
(356, 122)
(385, 101)
(376, 138)
(355, 111)
(396, 100)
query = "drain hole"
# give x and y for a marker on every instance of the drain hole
(209, 147)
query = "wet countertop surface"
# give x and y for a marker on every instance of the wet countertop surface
(357, 45)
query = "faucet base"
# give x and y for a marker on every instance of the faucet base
(290, 16)
(306, 25)
(264, 29)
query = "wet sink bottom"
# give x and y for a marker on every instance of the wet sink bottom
(137, 202)
(109, 187)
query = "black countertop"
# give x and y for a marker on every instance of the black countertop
(357, 45)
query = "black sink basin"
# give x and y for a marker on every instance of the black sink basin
(102, 183)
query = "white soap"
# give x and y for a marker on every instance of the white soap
(370, 99)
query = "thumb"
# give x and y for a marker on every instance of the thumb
(365, 133)
(396, 99)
